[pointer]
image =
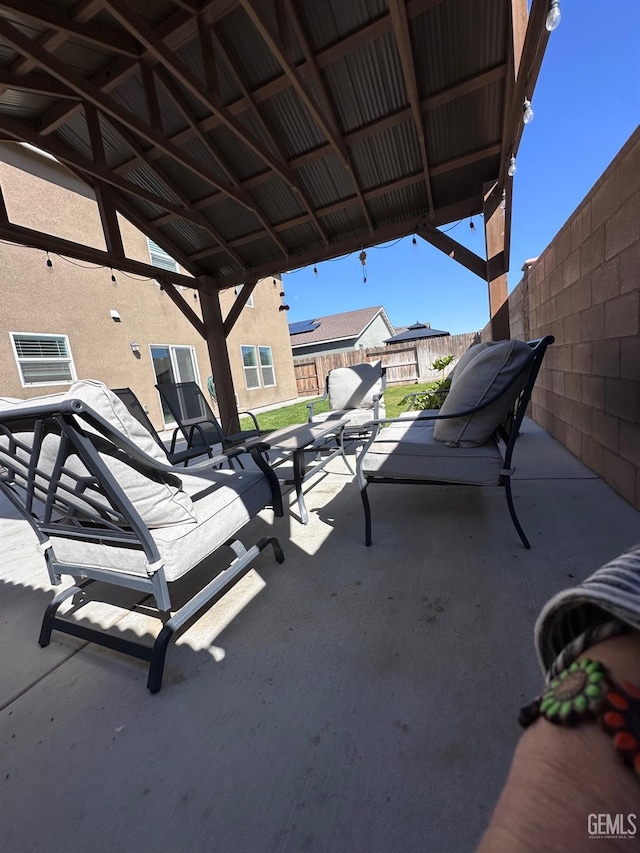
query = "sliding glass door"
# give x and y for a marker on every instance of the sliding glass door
(174, 364)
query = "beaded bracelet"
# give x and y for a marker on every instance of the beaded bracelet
(584, 691)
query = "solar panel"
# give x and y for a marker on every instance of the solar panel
(303, 326)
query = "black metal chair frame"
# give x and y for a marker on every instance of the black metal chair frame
(93, 507)
(192, 427)
(508, 432)
(135, 408)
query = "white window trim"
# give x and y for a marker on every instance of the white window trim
(69, 360)
(272, 366)
(237, 290)
(256, 368)
(160, 253)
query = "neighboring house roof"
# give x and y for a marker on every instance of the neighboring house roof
(415, 332)
(336, 327)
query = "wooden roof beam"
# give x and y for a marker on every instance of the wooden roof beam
(221, 48)
(48, 243)
(277, 49)
(180, 103)
(453, 249)
(403, 41)
(108, 105)
(104, 197)
(98, 35)
(157, 48)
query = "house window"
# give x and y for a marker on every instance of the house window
(250, 364)
(249, 302)
(266, 366)
(43, 359)
(159, 258)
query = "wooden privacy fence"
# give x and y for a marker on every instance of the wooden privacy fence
(405, 363)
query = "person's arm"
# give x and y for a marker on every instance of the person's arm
(560, 775)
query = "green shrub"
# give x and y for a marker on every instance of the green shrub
(437, 393)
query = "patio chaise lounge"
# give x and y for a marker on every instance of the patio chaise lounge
(355, 394)
(106, 506)
(459, 444)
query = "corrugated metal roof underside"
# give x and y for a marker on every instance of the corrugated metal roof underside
(328, 21)
(455, 40)
(387, 156)
(291, 122)
(398, 205)
(326, 180)
(25, 105)
(367, 85)
(251, 55)
(463, 125)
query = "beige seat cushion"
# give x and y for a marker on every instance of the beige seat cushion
(410, 451)
(499, 369)
(356, 417)
(223, 500)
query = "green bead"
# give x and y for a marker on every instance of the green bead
(553, 709)
(593, 690)
(595, 677)
(580, 703)
(565, 709)
(546, 703)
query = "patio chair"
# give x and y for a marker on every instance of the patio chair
(196, 421)
(105, 506)
(176, 457)
(460, 443)
(355, 394)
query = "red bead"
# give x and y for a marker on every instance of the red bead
(614, 719)
(617, 701)
(631, 689)
(625, 742)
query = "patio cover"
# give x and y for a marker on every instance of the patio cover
(248, 137)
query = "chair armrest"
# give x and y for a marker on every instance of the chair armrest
(237, 418)
(313, 403)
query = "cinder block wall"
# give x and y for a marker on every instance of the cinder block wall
(585, 290)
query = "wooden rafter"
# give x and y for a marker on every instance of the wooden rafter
(35, 82)
(176, 190)
(183, 306)
(104, 198)
(474, 263)
(278, 50)
(108, 105)
(351, 244)
(181, 105)
(105, 37)
(403, 41)
(266, 130)
(48, 243)
(194, 85)
(240, 301)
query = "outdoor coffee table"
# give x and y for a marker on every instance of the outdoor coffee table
(294, 442)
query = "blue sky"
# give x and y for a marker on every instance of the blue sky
(586, 104)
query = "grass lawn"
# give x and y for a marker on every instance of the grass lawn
(297, 412)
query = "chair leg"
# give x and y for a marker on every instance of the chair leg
(514, 517)
(49, 618)
(367, 515)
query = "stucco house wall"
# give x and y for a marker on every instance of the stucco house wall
(77, 299)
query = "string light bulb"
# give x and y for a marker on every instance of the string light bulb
(49, 261)
(113, 278)
(503, 203)
(414, 242)
(472, 227)
(315, 271)
(527, 112)
(512, 167)
(553, 15)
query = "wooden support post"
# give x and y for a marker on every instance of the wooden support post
(494, 230)
(218, 352)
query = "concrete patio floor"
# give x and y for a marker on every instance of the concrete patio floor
(351, 700)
